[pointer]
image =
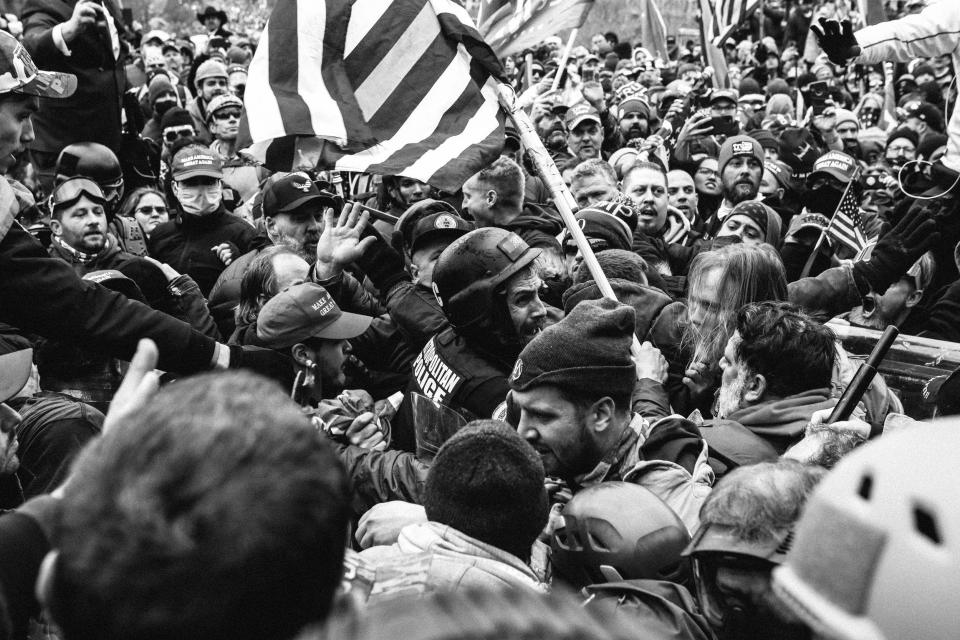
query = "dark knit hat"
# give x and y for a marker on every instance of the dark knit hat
(487, 482)
(159, 86)
(798, 149)
(603, 230)
(766, 139)
(749, 86)
(739, 146)
(175, 117)
(904, 132)
(587, 352)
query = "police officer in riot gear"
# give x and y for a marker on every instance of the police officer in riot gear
(489, 289)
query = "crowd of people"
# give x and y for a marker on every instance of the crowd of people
(236, 403)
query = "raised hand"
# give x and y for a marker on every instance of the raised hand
(340, 243)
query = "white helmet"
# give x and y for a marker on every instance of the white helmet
(876, 555)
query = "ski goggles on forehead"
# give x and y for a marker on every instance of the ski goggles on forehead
(69, 192)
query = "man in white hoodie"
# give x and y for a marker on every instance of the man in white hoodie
(935, 31)
(485, 503)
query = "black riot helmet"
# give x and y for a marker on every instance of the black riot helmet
(619, 531)
(473, 269)
(97, 162)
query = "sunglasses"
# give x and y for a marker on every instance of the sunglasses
(225, 114)
(171, 135)
(70, 191)
(148, 210)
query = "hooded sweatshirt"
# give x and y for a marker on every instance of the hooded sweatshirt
(450, 560)
(782, 422)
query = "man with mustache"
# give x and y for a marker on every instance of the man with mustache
(553, 133)
(741, 170)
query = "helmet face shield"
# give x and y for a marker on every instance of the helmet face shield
(727, 585)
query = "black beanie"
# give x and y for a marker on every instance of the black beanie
(487, 482)
(175, 117)
(587, 352)
(904, 132)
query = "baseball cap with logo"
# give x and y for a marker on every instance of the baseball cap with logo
(438, 225)
(730, 95)
(18, 73)
(837, 164)
(579, 113)
(306, 311)
(290, 192)
(190, 163)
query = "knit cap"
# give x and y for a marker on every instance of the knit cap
(159, 86)
(765, 217)
(587, 352)
(739, 146)
(778, 86)
(175, 117)
(602, 230)
(487, 482)
(766, 139)
(904, 132)
(845, 115)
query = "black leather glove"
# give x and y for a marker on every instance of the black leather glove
(837, 40)
(381, 263)
(896, 251)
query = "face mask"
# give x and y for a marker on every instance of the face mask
(823, 200)
(160, 107)
(200, 200)
(852, 147)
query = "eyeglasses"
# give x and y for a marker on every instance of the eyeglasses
(225, 114)
(904, 149)
(707, 172)
(173, 133)
(148, 210)
(70, 191)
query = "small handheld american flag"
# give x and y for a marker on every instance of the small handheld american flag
(846, 226)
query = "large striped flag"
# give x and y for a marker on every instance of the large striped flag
(401, 87)
(511, 26)
(729, 15)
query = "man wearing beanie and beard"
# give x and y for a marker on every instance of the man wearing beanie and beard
(572, 388)
(741, 170)
(485, 504)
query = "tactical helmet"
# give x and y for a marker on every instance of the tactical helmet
(95, 161)
(619, 531)
(877, 552)
(473, 268)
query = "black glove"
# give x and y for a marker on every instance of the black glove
(896, 251)
(381, 263)
(836, 39)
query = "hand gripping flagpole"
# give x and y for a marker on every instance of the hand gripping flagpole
(562, 197)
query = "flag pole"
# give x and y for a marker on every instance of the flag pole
(563, 60)
(558, 189)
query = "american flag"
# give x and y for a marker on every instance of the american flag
(401, 87)
(729, 15)
(846, 227)
(510, 26)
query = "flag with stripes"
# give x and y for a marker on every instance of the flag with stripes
(712, 54)
(511, 27)
(401, 87)
(846, 227)
(730, 15)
